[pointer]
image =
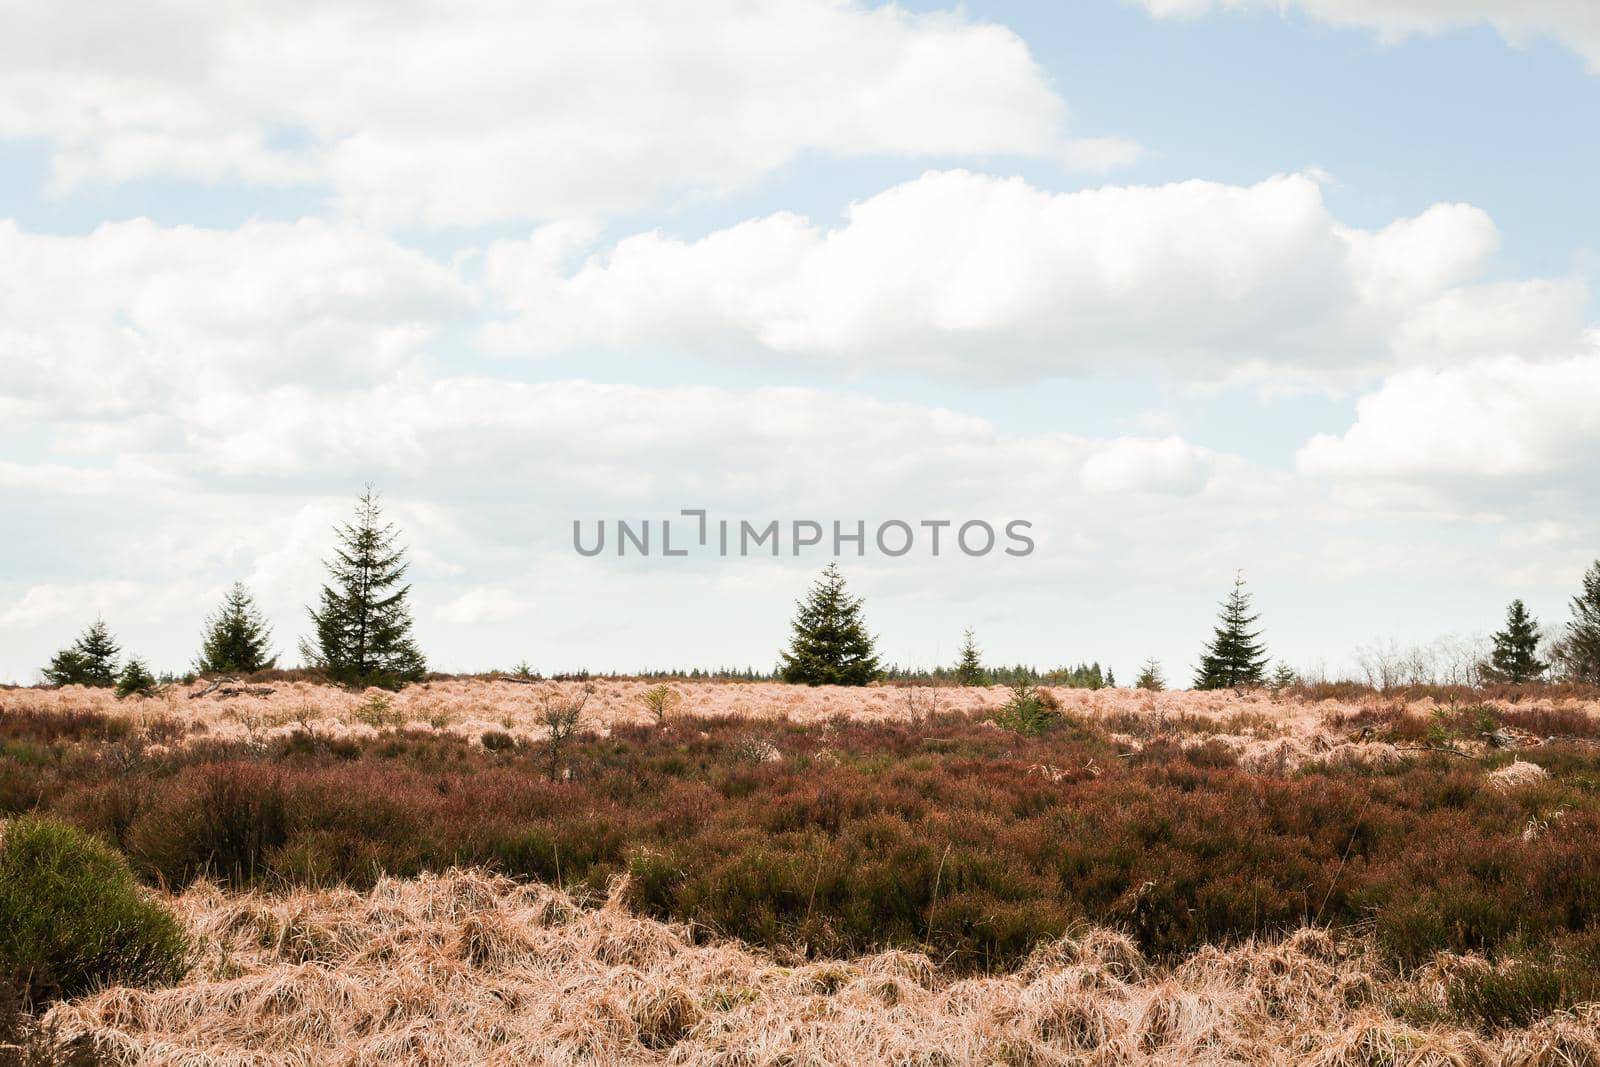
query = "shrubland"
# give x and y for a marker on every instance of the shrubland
(973, 835)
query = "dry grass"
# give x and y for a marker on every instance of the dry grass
(467, 968)
(1517, 773)
(469, 707)
(1272, 734)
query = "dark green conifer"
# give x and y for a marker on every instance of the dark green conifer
(1579, 650)
(1150, 677)
(363, 624)
(90, 660)
(831, 645)
(236, 637)
(1515, 656)
(969, 668)
(135, 679)
(1235, 656)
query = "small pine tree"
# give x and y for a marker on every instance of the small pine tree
(1235, 657)
(90, 660)
(1030, 711)
(135, 680)
(1283, 678)
(1515, 658)
(1111, 678)
(236, 637)
(969, 668)
(831, 645)
(1579, 650)
(1150, 676)
(363, 626)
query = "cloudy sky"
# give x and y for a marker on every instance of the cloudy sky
(1301, 287)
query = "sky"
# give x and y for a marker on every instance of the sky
(1298, 288)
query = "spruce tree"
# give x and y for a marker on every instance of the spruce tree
(1236, 656)
(1150, 677)
(831, 645)
(135, 680)
(363, 625)
(1282, 678)
(90, 660)
(1515, 658)
(236, 637)
(1579, 650)
(969, 668)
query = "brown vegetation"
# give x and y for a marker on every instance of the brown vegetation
(1441, 892)
(466, 968)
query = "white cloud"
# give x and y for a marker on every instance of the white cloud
(593, 445)
(1488, 426)
(1576, 23)
(440, 112)
(970, 276)
(1132, 464)
(482, 605)
(134, 316)
(54, 602)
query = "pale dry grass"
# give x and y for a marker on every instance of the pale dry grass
(1269, 733)
(468, 968)
(1517, 773)
(469, 706)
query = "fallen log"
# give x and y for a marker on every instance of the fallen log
(216, 683)
(1436, 748)
(232, 687)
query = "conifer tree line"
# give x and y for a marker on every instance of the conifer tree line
(361, 624)
(831, 645)
(361, 635)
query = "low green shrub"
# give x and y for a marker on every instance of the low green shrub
(1030, 711)
(379, 712)
(73, 919)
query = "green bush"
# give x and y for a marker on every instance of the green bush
(72, 918)
(1030, 711)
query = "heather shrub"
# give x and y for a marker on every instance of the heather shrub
(1521, 991)
(72, 918)
(218, 820)
(498, 741)
(972, 842)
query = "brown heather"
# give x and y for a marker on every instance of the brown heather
(792, 876)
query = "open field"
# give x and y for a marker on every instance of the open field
(780, 875)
